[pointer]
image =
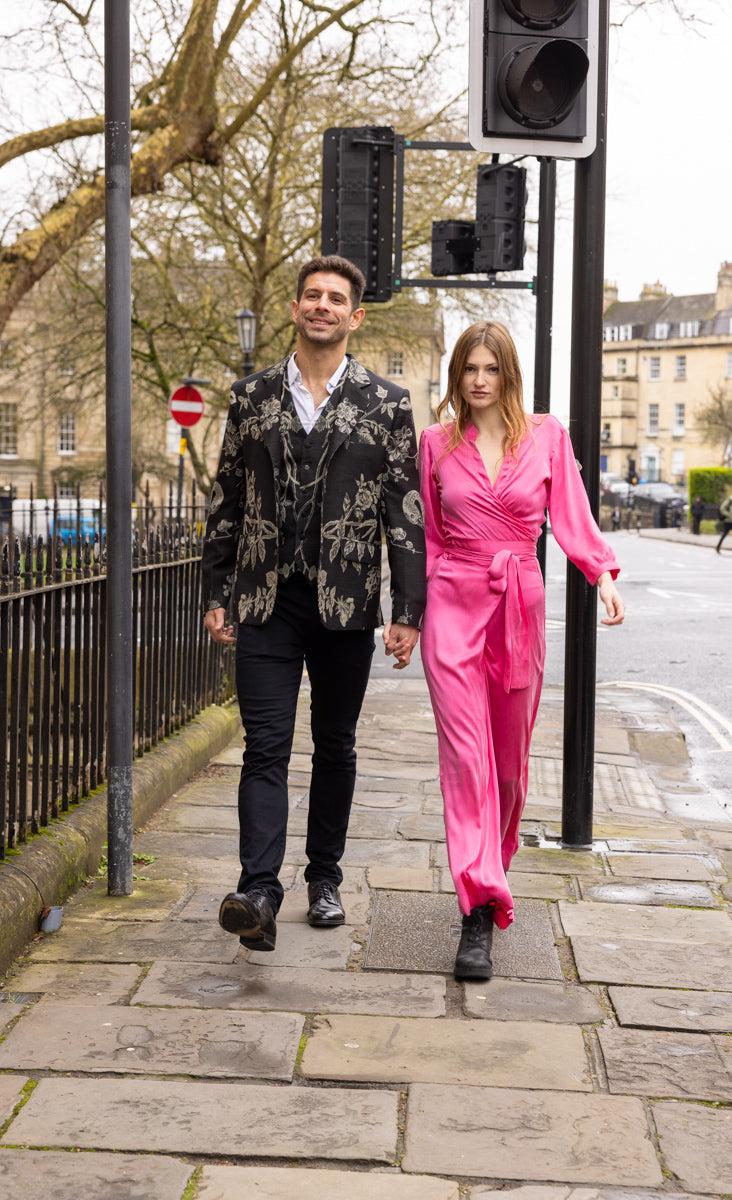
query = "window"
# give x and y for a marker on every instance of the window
(618, 333)
(66, 491)
(67, 434)
(9, 430)
(662, 329)
(677, 462)
(689, 328)
(680, 368)
(654, 367)
(621, 366)
(7, 356)
(395, 363)
(605, 435)
(729, 365)
(679, 420)
(652, 419)
(616, 391)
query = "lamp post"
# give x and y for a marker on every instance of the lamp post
(246, 328)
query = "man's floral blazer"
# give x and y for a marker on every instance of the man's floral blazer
(370, 487)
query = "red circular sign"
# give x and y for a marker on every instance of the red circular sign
(186, 405)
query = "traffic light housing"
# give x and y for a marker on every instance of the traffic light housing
(500, 204)
(358, 202)
(632, 476)
(453, 248)
(533, 77)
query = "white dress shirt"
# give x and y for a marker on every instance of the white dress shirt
(301, 398)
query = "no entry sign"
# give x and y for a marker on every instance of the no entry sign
(186, 405)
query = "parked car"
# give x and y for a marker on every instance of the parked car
(662, 501)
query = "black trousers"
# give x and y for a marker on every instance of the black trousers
(725, 531)
(269, 667)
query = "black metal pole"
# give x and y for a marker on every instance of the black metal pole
(544, 306)
(119, 445)
(181, 467)
(584, 423)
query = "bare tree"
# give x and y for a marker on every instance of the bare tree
(714, 421)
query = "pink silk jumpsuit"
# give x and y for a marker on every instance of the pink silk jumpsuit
(483, 633)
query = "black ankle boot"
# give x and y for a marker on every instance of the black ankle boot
(473, 960)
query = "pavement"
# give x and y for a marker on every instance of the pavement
(147, 1055)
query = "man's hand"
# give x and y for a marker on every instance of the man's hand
(400, 641)
(214, 622)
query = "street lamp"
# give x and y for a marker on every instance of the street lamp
(246, 327)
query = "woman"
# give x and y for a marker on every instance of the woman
(487, 476)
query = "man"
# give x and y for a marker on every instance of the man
(725, 516)
(318, 459)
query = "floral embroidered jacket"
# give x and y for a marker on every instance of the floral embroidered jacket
(370, 487)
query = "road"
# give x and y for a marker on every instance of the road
(676, 641)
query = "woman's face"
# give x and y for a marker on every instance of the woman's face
(480, 386)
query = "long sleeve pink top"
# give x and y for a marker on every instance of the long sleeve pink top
(461, 504)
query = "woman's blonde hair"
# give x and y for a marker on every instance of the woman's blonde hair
(496, 338)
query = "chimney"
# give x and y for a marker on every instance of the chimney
(724, 287)
(653, 291)
(610, 295)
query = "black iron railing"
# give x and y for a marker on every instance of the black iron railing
(53, 682)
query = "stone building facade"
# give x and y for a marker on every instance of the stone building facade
(662, 356)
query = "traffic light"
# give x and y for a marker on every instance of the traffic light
(631, 477)
(533, 77)
(500, 204)
(358, 202)
(453, 247)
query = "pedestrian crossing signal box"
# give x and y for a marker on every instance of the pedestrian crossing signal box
(533, 77)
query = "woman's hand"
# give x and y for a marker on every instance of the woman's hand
(612, 600)
(400, 641)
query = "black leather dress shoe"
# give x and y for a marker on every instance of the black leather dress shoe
(249, 915)
(473, 959)
(325, 903)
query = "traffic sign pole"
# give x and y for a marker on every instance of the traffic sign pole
(185, 407)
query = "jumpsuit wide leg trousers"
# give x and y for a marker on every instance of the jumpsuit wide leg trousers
(483, 655)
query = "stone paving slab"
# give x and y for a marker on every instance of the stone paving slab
(365, 853)
(667, 1008)
(281, 1183)
(230, 756)
(11, 1087)
(507, 1133)
(657, 845)
(165, 1041)
(151, 900)
(654, 891)
(401, 879)
(656, 964)
(720, 839)
(120, 941)
(696, 1143)
(526, 949)
(8, 1012)
(384, 1050)
(413, 772)
(164, 845)
(205, 903)
(422, 828)
(642, 1062)
(391, 800)
(509, 1000)
(306, 990)
(302, 946)
(662, 866)
(523, 883)
(639, 828)
(96, 983)
(180, 817)
(556, 861)
(60, 1175)
(174, 1117)
(584, 919)
(548, 1192)
(219, 789)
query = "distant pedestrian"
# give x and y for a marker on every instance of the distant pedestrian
(616, 519)
(697, 512)
(725, 513)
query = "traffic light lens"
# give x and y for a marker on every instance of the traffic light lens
(539, 82)
(540, 14)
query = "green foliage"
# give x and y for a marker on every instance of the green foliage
(710, 483)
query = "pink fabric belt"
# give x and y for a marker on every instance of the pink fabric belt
(502, 562)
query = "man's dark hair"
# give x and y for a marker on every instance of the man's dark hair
(335, 265)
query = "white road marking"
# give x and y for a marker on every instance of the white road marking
(708, 717)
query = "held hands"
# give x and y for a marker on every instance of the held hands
(400, 641)
(214, 622)
(612, 600)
